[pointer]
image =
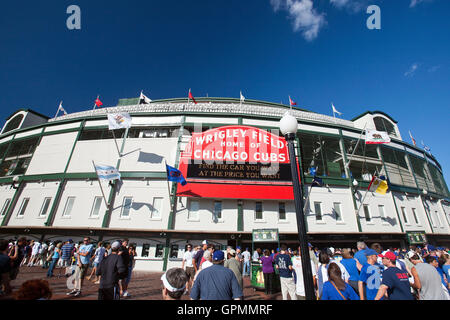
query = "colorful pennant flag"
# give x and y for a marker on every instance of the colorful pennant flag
(378, 185)
(119, 121)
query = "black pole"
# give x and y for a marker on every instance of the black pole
(301, 227)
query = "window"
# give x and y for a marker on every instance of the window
(337, 211)
(156, 208)
(145, 249)
(258, 211)
(415, 215)
(381, 212)
(159, 251)
(381, 124)
(23, 207)
(281, 211)
(437, 217)
(126, 207)
(367, 213)
(396, 166)
(68, 207)
(217, 210)
(405, 218)
(96, 206)
(318, 211)
(323, 153)
(193, 210)
(5, 207)
(14, 123)
(174, 251)
(45, 206)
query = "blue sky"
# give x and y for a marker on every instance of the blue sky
(316, 51)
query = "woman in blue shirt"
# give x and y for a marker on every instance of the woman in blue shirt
(353, 267)
(335, 288)
(55, 258)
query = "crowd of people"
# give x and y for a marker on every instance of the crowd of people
(361, 273)
(111, 265)
(208, 273)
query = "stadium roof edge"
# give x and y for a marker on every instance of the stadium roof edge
(28, 110)
(132, 101)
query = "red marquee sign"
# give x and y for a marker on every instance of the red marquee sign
(238, 162)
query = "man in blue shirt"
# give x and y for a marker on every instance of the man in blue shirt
(283, 263)
(216, 282)
(369, 277)
(361, 254)
(84, 257)
(395, 281)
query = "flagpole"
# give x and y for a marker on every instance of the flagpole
(168, 186)
(349, 160)
(362, 201)
(101, 188)
(95, 102)
(307, 199)
(117, 146)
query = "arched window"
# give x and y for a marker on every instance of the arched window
(381, 124)
(14, 123)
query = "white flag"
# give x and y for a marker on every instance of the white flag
(61, 108)
(144, 99)
(107, 172)
(377, 137)
(119, 120)
(335, 111)
(242, 97)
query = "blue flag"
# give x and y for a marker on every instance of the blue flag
(175, 175)
(317, 182)
(312, 171)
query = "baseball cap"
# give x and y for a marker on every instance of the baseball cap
(232, 252)
(115, 245)
(411, 254)
(431, 248)
(218, 255)
(389, 255)
(205, 242)
(371, 252)
(238, 248)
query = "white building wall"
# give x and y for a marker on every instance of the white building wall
(6, 192)
(329, 223)
(378, 224)
(140, 216)
(410, 203)
(100, 151)
(84, 193)
(204, 218)
(36, 192)
(438, 221)
(52, 154)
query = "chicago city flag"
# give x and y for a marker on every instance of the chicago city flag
(119, 120)
(377, 137)
(107, 172)
(378, 185)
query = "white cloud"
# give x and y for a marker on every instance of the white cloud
(412, 70)
(414, 3)
(305, 18)
(350, 5)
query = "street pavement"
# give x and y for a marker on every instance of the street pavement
(143, 286)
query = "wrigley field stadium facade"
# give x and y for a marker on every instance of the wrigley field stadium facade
(238, 179)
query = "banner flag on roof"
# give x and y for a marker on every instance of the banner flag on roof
(378, 185)
(377, 137)
(190, 96)
(334, 110)
(412, 139)
(242, 97)
(175, 175)
(62, 109)
(119, 121)
(98, 103)
(292, 102)
(426, 148)
(143, 99)
(107, 172)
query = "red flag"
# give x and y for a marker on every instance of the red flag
(98, 103)
(191, 96)
(292, 103)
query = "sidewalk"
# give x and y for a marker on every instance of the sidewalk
(143, 286)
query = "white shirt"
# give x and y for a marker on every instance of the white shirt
(187, 258)
(297, 265)
(36, 248)
(246, 256)
(206, 264)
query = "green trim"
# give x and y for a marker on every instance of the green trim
(240, 216)
(166, 252)
(13, 203)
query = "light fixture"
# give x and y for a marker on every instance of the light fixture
(15, 180)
